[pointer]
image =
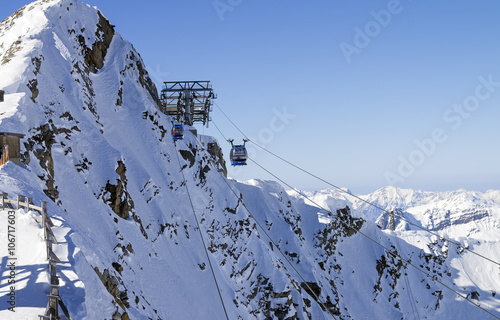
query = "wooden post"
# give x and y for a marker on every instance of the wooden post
(44, 213)
(44, 206)
(23, 203)
(46, 230)
(4, 197)
(29, 201)
(44, 223)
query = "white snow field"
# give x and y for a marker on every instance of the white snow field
(99, 151)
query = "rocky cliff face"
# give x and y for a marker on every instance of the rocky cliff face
(136, 211)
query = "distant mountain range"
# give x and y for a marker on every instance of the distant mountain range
(467, 213)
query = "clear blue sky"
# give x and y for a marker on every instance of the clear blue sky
(364, 80)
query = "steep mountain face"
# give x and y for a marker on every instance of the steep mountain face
(466, 217)
(134, 211)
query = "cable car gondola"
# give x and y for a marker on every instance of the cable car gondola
(177, 132)
(238, 153)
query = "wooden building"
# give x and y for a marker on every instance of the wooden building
(10, 144)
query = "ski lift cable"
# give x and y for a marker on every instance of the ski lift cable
(217, 127)
(456, 243)
(201, 234)
(395, 255)
(311, 291)
(408, 262)
(411, 298)
(231, 121)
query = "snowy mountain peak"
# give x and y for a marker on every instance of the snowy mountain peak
(50, 45)
(149, 228)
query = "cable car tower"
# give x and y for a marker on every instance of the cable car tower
(187, 101)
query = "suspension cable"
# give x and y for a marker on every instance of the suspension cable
(456, 243)
(217, 127)
(201, 234)
(315, 296)
(230, 121)
(414, 308)
(395, 255)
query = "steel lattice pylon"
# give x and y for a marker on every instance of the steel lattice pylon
(188, 101)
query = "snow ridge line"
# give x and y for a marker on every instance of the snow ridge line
(52, 309)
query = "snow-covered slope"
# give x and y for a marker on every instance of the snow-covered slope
(467, 217)
(127, 202)
(460, 213)
(23, 273)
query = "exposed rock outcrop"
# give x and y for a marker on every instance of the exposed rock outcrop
(116, 195)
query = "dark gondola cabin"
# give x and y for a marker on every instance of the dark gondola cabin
(177, 132)
(238, 154)
(2, 93)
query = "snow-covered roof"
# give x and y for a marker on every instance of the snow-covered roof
(20, 135)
